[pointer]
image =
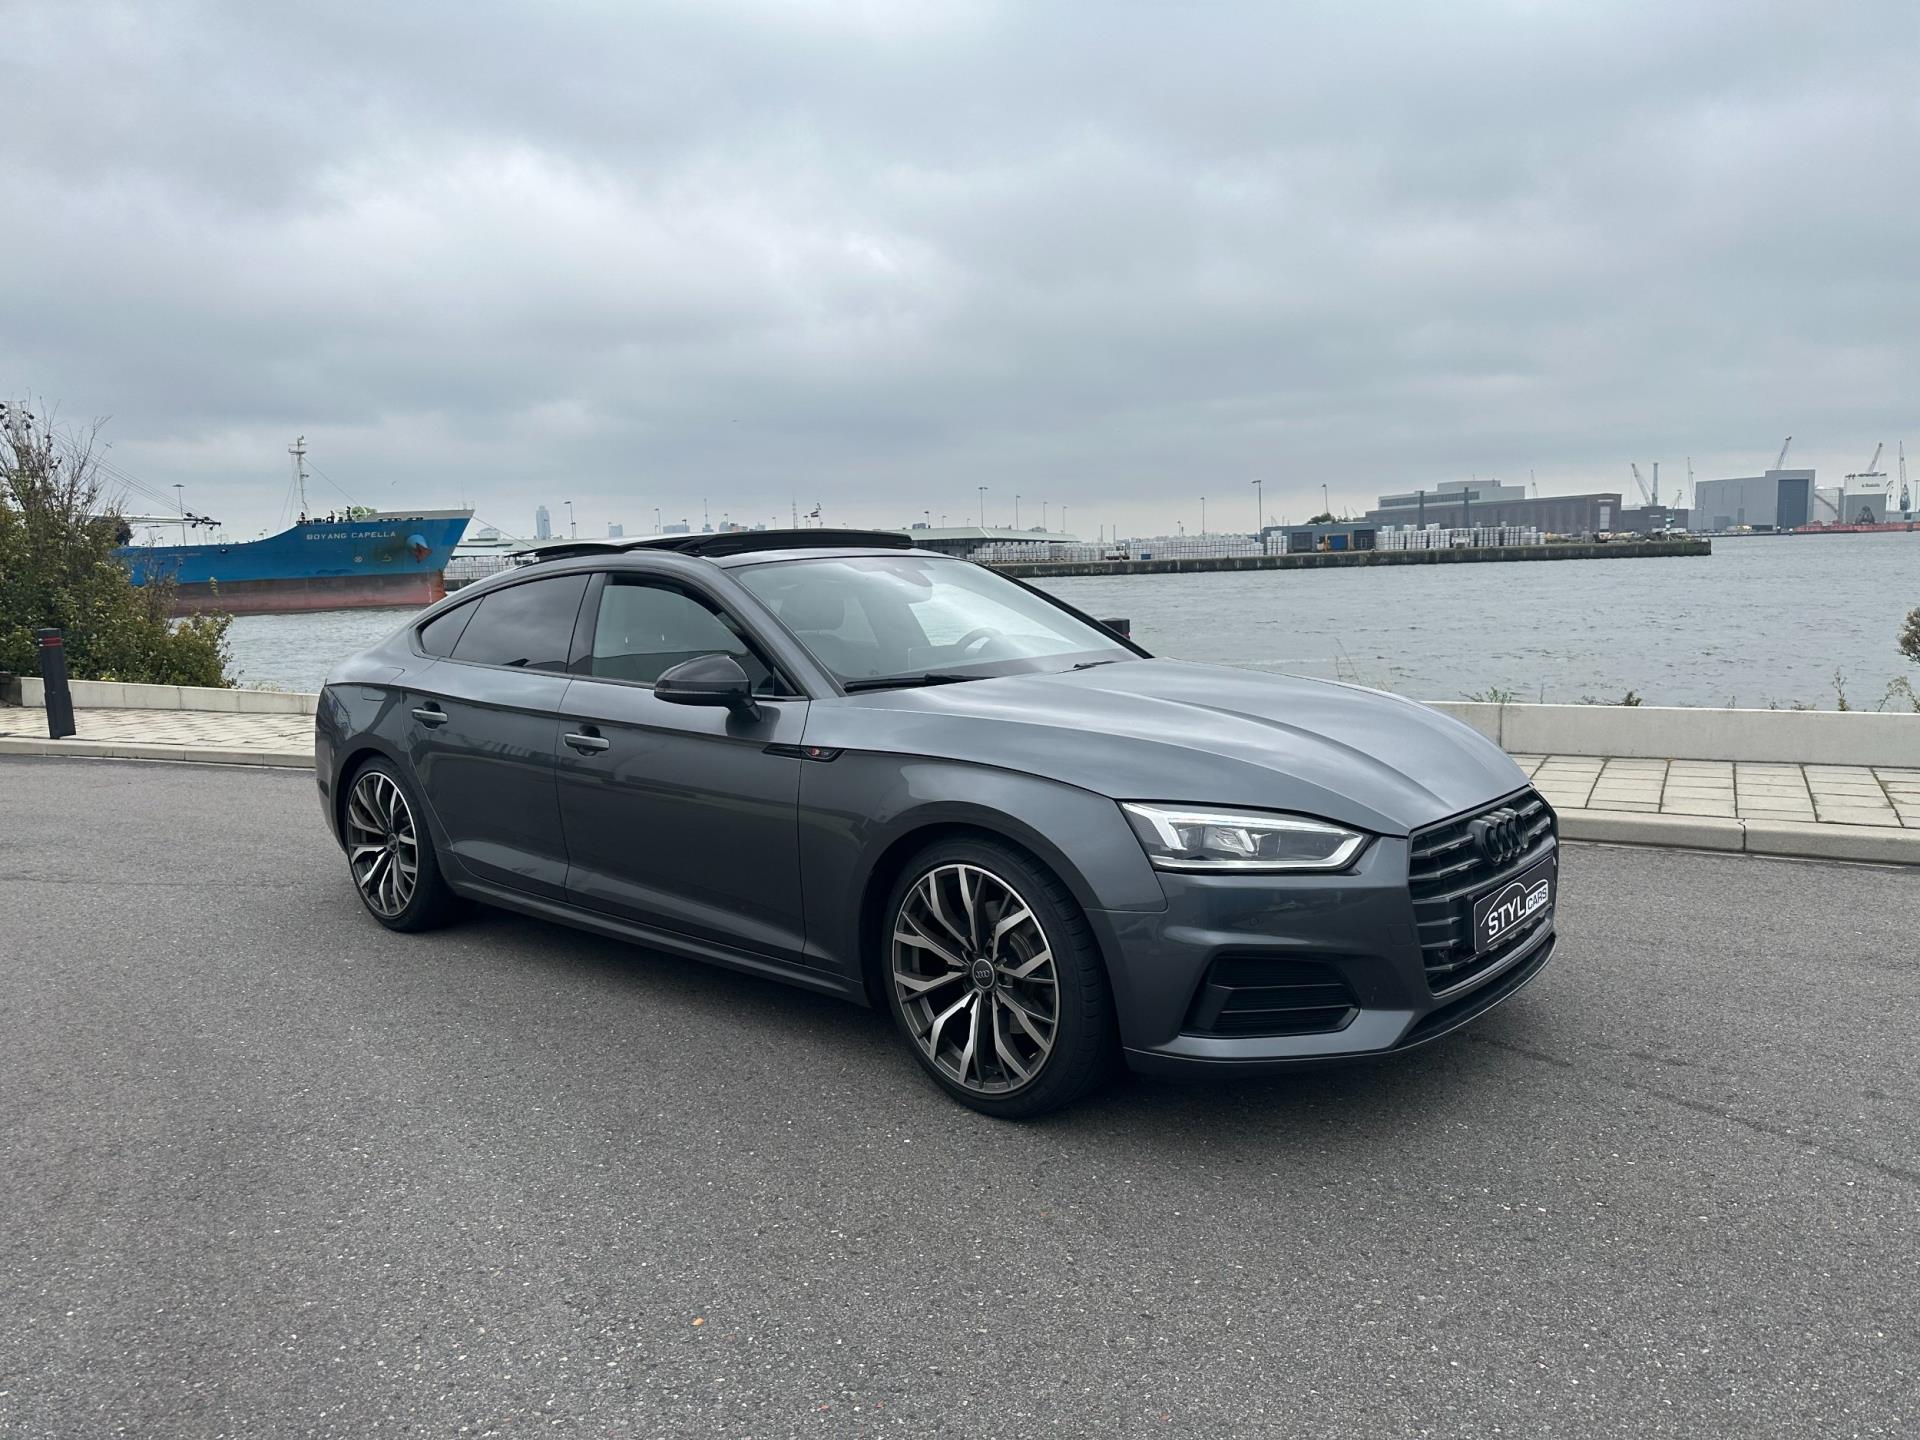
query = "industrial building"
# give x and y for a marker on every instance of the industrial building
(1304, 539)
(1651, 520)
(1464, 504)
(1342, 535)
(1774, 500)
(1836, 505)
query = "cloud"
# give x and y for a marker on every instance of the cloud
(1112, 255)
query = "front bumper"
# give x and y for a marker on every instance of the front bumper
(1355, 931)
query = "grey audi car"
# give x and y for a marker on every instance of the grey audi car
(831, 759)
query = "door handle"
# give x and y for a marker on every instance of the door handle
(587, 744)
(430, 715)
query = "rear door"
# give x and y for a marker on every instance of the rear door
(484, 725)
(677, 816)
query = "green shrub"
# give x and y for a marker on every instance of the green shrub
(58, 530)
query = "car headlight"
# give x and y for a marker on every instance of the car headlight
(1192, 839)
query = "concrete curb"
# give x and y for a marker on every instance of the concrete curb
(1631, 827)
(135, 750)
(1876, 844)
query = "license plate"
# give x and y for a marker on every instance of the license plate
(1508, 908)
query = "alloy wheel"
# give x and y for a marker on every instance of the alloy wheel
(383, 846)
(974, 975)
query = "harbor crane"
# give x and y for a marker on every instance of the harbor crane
(1645, 497)
(187, 519)
(1785, 446)
(1873, 470)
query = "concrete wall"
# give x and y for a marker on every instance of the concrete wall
(111, 695)
(1797, 737)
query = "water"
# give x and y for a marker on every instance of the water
(1765, 620)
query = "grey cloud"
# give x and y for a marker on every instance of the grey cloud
(1117, 255)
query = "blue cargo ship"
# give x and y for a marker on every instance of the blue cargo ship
(382, 559)
(379, 558)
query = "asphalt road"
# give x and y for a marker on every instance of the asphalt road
(267, 1169)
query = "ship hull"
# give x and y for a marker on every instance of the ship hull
(319, 592)
(376, 561)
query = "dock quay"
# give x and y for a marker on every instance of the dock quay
(1336, 559)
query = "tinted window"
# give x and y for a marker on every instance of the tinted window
(440, 634)
(871, 616)
(528, 625)
(644, 629)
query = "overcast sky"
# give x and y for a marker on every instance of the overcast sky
(1105, 255)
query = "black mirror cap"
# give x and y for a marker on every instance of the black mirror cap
(708, 680)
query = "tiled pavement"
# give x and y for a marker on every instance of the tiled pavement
(184, 730)
(1823, 794)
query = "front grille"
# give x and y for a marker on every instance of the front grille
(1447, 872)
(1252, 994)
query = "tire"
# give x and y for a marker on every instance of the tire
(941, 959)
(383, 810)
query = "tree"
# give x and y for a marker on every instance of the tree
(1910, 637)
(1325, 517)
(58, 530)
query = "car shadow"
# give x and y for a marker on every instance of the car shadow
(1363, 1105)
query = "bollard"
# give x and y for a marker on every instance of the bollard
(53, 672)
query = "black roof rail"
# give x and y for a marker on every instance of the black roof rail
(565, 549)
(723, 542)
(741, 542)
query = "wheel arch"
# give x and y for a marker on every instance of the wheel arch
(364, 749)
(932, 828)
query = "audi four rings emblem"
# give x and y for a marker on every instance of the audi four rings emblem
(1499, 836)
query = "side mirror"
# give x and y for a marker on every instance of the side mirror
(709, 680)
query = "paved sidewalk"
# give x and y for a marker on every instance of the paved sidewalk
(205, 735)
(1722, 789)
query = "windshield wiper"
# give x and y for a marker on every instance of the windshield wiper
(1089, 664)
(905, 682)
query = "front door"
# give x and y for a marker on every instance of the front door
(485, 724)
(679, 816)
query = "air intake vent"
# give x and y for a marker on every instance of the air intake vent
(1251, 994)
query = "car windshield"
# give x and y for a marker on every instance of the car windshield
(910, 619)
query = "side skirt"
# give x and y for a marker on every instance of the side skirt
(652, 939)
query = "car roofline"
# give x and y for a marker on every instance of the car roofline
(712, 545)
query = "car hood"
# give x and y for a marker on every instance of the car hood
(1195, 734)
